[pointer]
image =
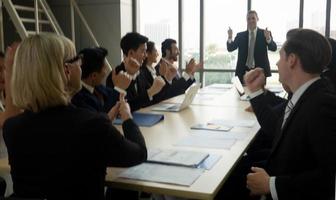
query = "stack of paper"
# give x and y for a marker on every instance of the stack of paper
(211, 126)
(234, 123)
(177, 157)
(178, 175)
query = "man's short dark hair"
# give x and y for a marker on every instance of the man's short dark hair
(2, 55)
(252, 12)
(311, 47)
(150, 46)
(132, 40)
(93, 60)
(167, 45)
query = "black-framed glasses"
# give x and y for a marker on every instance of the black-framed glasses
(74, 59)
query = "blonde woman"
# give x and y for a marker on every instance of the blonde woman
(58, 151)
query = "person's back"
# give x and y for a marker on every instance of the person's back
(55, 150)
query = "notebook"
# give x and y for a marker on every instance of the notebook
(143, 119)
(188, 98)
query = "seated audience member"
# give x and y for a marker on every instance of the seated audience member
(177, 84)
(302, 161)
(55, 150)
(94, 95)
(133, 46)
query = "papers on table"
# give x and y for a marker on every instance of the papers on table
(178, 175)
(234, 123)
(143, 119)
(211, 139)
(210, 126)
(177, 157)
(210, 161)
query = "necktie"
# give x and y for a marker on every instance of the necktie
(250, 55)
(288, 109)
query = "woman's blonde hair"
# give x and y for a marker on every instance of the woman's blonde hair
(39, 80)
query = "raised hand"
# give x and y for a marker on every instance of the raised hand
(124, 109)
(267, 34)
(192, 66)
(114, 111)
(156, 87)
(121, 80)
(132, 66)
(255, 79)
(230, 32)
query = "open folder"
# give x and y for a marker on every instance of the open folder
(143, 119)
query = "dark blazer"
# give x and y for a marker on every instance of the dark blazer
(303, 154)
(137, 95)
(85, 99)
(241, 42)
(268, 109)
(62, 152)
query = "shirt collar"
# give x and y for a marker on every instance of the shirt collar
(254, 30)
(88, 87)
(298, 93)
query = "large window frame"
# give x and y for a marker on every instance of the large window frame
(135, 17)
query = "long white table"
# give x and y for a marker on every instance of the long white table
(174, 127)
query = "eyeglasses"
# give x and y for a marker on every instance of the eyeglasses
(74, 59)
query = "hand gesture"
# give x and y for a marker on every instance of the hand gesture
(230, 32)
(121, 80)
(255, 79)
(132, 66)
(192, 67)
(267, 34)
(258, 181)
(157, 85)
(167, 70)
(113, 113)
(9, 57)
(124, 109)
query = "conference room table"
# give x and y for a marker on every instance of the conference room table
(210, 103)
(220, 102)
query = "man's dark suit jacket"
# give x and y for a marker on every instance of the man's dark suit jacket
(303, 154)
(137, 95)
(62, 152)
(85, 99)
(268, 109)
(241, 42)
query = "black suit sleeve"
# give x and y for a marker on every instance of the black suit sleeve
(127, 150)
(268, 109)
(318, 180)
(233, 45)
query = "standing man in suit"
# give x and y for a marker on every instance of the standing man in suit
(302, 161)
(252, 47)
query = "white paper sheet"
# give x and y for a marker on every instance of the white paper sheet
(177, 175)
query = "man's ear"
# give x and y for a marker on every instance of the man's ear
(292, 60)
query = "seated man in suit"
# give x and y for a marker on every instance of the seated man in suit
(133, 46)
(93, 95)
(302, 161)
(252, 47)
(176, 84)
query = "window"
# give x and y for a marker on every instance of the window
(314, 15)
(333, 19)
(273, 20)
(217, 77)
(219, 16)
(191, 31)
(159, 20)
